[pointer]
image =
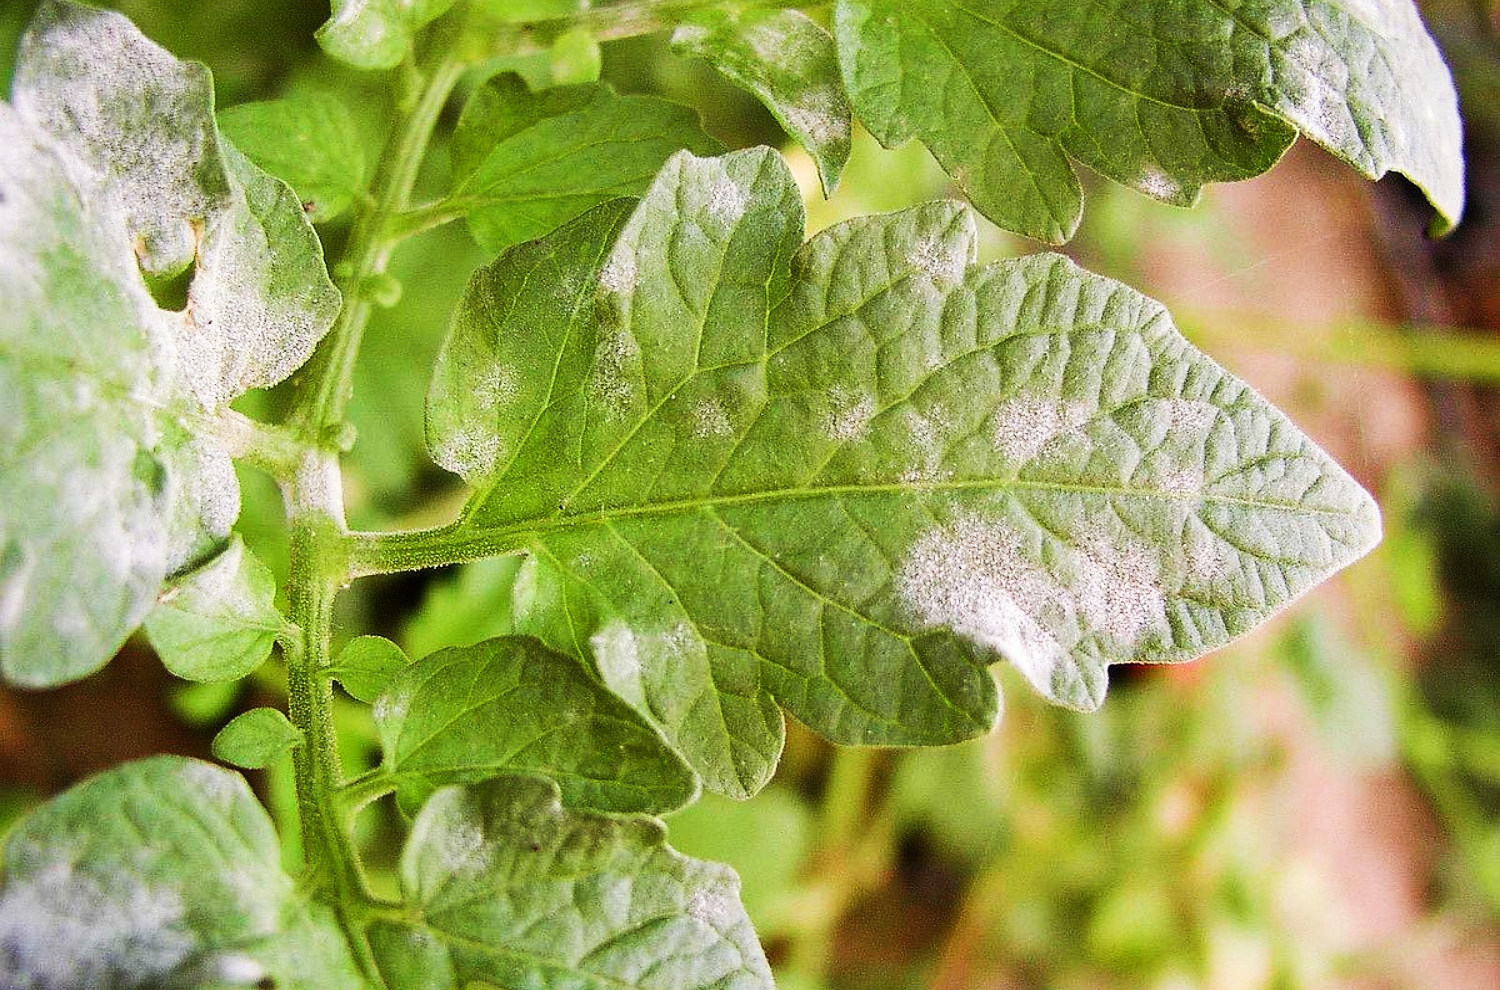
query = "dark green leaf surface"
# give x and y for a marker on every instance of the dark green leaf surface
(164, 872)
(111, 166)
(1163, 96)
(366, 665)
(525, 162)
(256, 738)
(847, 477)
(515, 891)
(309, 142)
(790, 64)
(508, 705)
(219, 622)
(376, 34)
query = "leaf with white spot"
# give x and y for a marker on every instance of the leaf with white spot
(510, 705)
(376, 34)
(1164, 96)
(164, 872)
(846, 476)
(788, 61)
(219, 622)
(514, 890)
(110, 169)
(525, 162)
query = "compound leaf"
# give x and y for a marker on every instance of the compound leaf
(846, 478)
(376, 34)
(514, 890)
(307, 140)
(525, 162)
(164, 872)
(1163, 96)
(219, 622)
(256, 738)
(113, 170)
(467, 714)
(788, 61)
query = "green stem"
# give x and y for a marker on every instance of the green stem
(320, 409)
(368, 554)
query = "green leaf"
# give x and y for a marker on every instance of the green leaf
(525, 162)
(516, 891)
(219, 622)
(256, 738)
(467, 714)
(112, 168)
(848, 477)
(788, 61)
(1163, 96)
(309, 141)
(376, 34)
(161, 872)
(366, 665)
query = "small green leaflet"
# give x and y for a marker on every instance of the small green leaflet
(164, 872)
(788, 61)
(219, 622)
(309, 142)
(111, 166)
(515, 891)
(376, 34)
(256, 738)
(466, 714)
(1162, 95)
(846, 476)
(525, 162)
(366, 665)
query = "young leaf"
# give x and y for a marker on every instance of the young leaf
(516, 891)
(790, 64)
(1163, 96)
(112, 167)
(366, 665)
(505, 705)
(164, 872)
(256, 738)
(218, 623)
(525, 162)
(309, 142)
(376, 34)
(847, 477)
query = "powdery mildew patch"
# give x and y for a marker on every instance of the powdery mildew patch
(711, 907)
(1117, 587)
(727, 200)
(710, 420)
(1021, 428)
(850, 414)
(461, 847)
(62, 928)
(612, 382)
(943, 262)
(469, 452)
(620, 275)
(617, 656)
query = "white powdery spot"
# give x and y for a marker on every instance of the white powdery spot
(617, 656)
(461, 848)
(1209, 559)
(1159, 185)
(391, 707)
(850, 415)
(1182, 484)
(810, 118)
(1117, 588)
(238, 970)
(60, 927)
(1022, 428)
(710, 907)
(469, 453)
(710, 420)
(219, 786)
(613, 381)
(976, 579)
(1190, 414)
(727, 200)
(944, 263)
(620, 274)
(496, 387)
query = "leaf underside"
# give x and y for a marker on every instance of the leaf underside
(1164, 96)
(111, 167)
(844, 477)
(515, 891)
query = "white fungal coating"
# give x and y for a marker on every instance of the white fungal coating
(613, 383)
(617, 656)
(1159, 185)
(620, 274)
(850, 414)
(944, 263)
(1021, 428)
(710, 420)
(469, 452)
(727, 200)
